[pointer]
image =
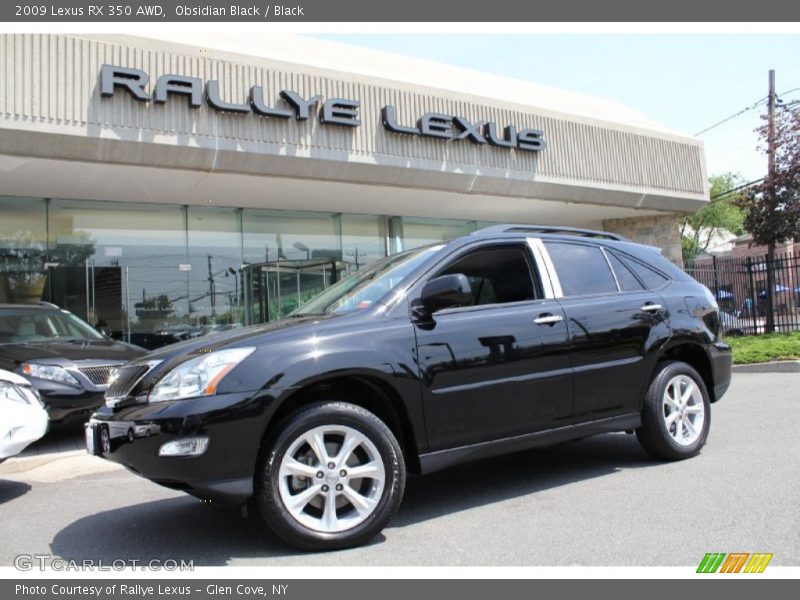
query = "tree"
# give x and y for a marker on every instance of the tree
(772, 207)
(721, 214)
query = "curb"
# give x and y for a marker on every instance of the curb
(20, 464)
(778, 366)
(49, 468)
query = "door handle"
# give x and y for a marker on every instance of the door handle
(650, 307)
(548, 319)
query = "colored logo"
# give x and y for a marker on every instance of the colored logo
(735, 562)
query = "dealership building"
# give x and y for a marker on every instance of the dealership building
(182, 184)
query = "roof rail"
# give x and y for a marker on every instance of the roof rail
(591, 233)
(47, 304)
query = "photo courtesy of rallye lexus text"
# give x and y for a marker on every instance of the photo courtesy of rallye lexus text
(503, 340)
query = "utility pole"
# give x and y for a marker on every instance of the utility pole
(770, 325)
(212, 292)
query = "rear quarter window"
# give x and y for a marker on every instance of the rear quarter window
(651, 278)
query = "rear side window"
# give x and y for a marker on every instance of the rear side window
(651, 279)
(625, 277)
(581, 269)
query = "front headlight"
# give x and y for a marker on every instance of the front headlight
(199, 376)
(50, 373)
(19, 393)
(8, 391)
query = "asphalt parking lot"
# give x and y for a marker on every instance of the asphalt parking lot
(600, 501)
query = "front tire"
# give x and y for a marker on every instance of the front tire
(677, 413)
(332, 477)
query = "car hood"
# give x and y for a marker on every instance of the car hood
(216, 341)
(10, 377)
(112, 350)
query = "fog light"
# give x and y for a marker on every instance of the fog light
(193, 446)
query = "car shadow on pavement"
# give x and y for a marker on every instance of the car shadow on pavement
(66, 437)
(506, 477)
(177, 529)
(9, 490)
(186, 529)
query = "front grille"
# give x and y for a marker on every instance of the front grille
(125, 379)
(98, 375)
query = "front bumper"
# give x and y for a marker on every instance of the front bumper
(63, 407)
(233, 423)
(21, 430)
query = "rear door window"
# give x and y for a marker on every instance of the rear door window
(581, 269)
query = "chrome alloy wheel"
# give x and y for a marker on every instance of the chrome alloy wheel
(331, 478)
(684, 410)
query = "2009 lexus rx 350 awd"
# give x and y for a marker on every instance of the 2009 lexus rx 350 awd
(507, 339)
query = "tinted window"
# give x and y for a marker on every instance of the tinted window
(366, 287)
(30, 326)
(626, 279)
(496, 275)
(581, 269)
(652, 279)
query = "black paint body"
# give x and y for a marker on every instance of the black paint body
(468, 383)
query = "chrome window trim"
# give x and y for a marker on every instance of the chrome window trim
(550, 283)
(610, 268)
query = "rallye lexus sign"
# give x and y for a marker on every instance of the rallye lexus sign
(333, 111)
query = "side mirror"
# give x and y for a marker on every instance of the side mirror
(445, 291)
(103, 329)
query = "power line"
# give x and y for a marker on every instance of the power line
(744, 110)
(733, 116)
(737, 189)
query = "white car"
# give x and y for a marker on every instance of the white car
(23, 418)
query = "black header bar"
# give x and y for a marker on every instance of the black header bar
(463, 11)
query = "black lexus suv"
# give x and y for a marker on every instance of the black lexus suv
(67, 360)
(506, 339)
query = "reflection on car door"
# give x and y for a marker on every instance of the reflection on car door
(489, 370)
(613, 323)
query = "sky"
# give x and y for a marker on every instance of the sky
(686, 82)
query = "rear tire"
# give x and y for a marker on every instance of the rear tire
(332, 477)
(676, 414)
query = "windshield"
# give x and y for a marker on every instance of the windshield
(21, 326)
(363, 289)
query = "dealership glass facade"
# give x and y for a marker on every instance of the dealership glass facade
(141, 269)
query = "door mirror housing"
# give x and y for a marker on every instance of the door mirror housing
(445, 291)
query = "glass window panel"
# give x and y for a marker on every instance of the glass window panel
(363, 241)
(23, 246)
(282, 235)
(215, 254)
(581, 269)
(627, 280)
(419, 231)
(651, 279)
(136, 250)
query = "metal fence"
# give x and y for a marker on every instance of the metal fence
(740, 286)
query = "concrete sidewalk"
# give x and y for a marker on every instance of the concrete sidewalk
(58, 466)
(59, 455)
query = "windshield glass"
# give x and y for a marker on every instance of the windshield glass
(20, 326)
(363, 289)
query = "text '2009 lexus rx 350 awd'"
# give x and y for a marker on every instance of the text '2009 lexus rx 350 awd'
(507, 339)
